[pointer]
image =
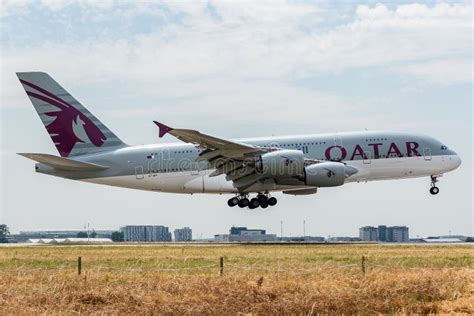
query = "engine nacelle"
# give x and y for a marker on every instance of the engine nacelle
(325, 174)
(282, 163)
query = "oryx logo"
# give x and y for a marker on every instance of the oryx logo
(288, 161)
(70, 126)
(330, 173)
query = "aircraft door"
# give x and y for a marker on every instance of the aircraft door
(194, 168)
(427, 153)
(165, 160)
(367, 157)
(139, 173)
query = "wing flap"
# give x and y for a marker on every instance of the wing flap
(248, 180)
(227, 168)
(63, 163)
(238, 173)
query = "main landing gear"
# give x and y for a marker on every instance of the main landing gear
(262, 200)
(434, 189)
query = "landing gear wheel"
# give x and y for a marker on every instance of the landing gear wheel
(233, 201)
(254, 203)
(243, 202)
(272, 201)
(434, 190)
(262, 199)
(264, 204)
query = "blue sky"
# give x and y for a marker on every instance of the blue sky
(241, 69)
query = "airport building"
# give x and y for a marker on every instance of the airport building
(183, 234)
(384, 233)
(25, 235)
(343, 239)
(145, 233)
(221, 237)
(245, 231)
(243, 234)
(368, 233)
(399, 234)
(71, 240)
(308, 239)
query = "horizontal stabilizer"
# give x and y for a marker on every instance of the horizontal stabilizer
(63, 163)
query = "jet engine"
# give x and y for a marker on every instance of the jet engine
(282, 163)
(326, 174)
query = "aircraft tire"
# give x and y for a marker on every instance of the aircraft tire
(254, 203)
(243, 202)
(434, 190)
(272, 201)
(233, 201)
(262, 199)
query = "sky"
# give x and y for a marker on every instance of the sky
(241, 69)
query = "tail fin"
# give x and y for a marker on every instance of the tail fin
(73, 129)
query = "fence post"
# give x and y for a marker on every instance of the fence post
(221, 264)
(363, 264)
(79, 265)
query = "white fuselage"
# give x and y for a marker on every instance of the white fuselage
(376, 156)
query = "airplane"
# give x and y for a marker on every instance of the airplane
(201, 163)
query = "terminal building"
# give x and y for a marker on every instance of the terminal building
(26, 235)
(243, 234)
(145, 233)
(368, 233)
(384, 233)
(343, 239)
(308, 239)
(183, 234)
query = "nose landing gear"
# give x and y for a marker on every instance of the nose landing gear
(434, 189)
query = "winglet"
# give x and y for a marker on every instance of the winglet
(164, 129)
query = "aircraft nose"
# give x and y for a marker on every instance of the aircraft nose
(454, 161)
(457, 161)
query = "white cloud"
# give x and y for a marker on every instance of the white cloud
(383, 37)
(443, 71)
(8, 7)
(18, 7)
(56, 5)
(258, 41)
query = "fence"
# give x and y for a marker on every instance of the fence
(219, 266)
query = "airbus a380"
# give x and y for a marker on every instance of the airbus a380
(249, 169)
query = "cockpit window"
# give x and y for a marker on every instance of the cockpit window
(444, 147)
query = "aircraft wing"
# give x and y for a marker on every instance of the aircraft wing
(203, 140)
(228, 157)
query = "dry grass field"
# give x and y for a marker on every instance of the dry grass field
(257, 279)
